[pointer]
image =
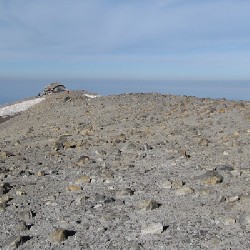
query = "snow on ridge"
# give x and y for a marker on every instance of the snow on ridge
(24, 105)
(19, 107)
(91, 96)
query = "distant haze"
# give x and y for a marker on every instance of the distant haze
(17, 89)
(115, 46)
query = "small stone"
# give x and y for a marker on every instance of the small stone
(244, 219)
(52, 204)
(221, 198)
(4, 198)
(108, 177)
(236, 173)
(177, 184)
(136, 246)
(69, 144)
(148, 205)
(211, 178)
(245, 171)
(224, 168)
(237, 133)
(25, 215)
(83, 160)
(2, 207)
(233, 198)
(13, 242)
(240, 151)
(184, 191)
(83, 179)
(20, 192)
(73, 188)
(22, 226)
(108, 217)
(225, 153)
(80, 200)
(229, 221)
(124, 193)
(128, 147)
(40, 173)
(4, 188)
(5, 154)
(58, 235)
(245, 199)
(204, 142)
(1, 189)
(205, 191)
(98, 206)
(165, 184)
(99, 197)
(184, 154)
(118, 139)
(155, 228)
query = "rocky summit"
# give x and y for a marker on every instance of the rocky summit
(130, 171)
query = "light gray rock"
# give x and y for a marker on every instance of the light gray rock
(210, 178)
(124, 193)
(165, 184)
(229, 221)
(154, 228)
(14, 242)
(244, 219)
(148, 205)
(58, 235)
(186, 190)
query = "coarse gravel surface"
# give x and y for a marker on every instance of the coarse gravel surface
(130, 171)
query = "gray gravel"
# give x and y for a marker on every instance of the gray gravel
(131, 171)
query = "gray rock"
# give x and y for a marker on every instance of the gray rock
(148, 205)
(83, 179)
(14, 242)
(165, 184)
(83, 160)
(244, 219)
(124, 193)
(211, 178)
(224, 168)
(4, 188)
(154, 228)
(25, 215)
(128, 147)
(184, 191)
(4, 198)
(229, 221)
(5, 154)
(2, 207)
(177, 184)
(22, 226)
(81, 199)
(204, 142)
(58, 235)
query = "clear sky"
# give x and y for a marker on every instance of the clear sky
(161, 40)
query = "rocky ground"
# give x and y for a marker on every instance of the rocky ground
(132, 171)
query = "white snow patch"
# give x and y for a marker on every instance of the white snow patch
(19, 107)
(91, 96)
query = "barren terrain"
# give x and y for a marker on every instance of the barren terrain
(131, 171)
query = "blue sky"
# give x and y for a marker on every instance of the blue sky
(130, 39)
